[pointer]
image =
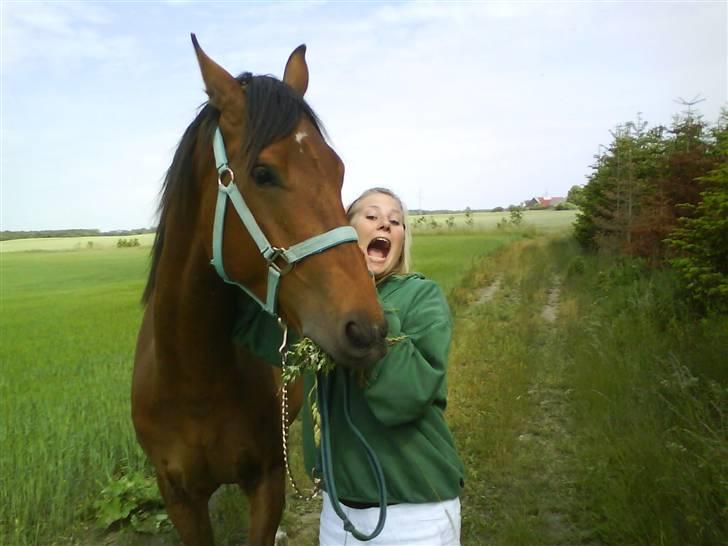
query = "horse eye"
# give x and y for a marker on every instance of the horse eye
(264, 176)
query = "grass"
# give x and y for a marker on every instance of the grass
(649, 406)
(604, 427)
(68, 323)
(448, 258)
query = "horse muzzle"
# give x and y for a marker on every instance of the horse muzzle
(357, 343)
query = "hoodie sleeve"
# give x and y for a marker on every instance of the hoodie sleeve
(258, 331)
(411, 376)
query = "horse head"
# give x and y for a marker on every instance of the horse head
(290, 180)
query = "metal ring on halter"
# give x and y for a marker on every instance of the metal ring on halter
(222, 171)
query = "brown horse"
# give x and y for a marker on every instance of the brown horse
(205, 411)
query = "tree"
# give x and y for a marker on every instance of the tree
(674, 189)
(575, 195)
(701, 238)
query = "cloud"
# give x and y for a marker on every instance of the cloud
(60, 36)
(456, 104)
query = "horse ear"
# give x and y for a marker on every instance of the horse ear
(296, 73)
(224, 91)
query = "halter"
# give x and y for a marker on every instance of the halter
(280, 260)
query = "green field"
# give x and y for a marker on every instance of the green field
(604, 427)
(72, 243)
(68, 323)
(544, 220)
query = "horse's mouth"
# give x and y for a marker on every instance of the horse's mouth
(378, 248)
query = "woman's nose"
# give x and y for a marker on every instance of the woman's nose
(384, 224)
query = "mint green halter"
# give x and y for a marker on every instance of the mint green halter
(273, 255)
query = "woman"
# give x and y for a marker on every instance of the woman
(399, 408)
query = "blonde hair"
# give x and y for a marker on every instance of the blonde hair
(403, 266)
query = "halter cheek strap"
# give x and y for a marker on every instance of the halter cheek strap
(279, 260)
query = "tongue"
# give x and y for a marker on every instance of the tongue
(376, 252)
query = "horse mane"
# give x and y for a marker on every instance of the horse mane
(272, 111)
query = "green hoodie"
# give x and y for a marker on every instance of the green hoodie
(399, 408)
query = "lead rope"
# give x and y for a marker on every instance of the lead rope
(327, 463)
(322, 387)
(284, 424)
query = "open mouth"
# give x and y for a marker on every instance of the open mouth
(378, 249)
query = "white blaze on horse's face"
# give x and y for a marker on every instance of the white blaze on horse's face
(300, 135)
(379, 223)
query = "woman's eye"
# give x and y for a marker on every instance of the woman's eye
(264, 176)
(370, 217)
(394, 222)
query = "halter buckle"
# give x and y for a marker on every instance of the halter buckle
(279, 253)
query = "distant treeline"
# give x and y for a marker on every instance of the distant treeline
(423, 212)
(44, 234)
(661, 194)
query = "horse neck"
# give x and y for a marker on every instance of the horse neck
(194, 310)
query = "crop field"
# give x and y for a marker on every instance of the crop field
(543, 220)
(72, 243)
(68, 323)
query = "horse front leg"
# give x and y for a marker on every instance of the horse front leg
(267, 499)
(187, 507)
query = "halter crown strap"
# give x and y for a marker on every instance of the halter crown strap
(280, 260)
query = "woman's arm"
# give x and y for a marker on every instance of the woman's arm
(411, 377)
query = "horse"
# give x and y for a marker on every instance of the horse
(205, 410)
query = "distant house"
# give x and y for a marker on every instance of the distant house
(542, 202)
(548, 202)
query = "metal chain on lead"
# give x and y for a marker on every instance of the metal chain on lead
(284, 423)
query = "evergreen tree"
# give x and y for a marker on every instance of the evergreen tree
(702, 236)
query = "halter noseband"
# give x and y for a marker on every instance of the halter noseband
(280, 260)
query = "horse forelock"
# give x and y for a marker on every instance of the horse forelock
(273, 109)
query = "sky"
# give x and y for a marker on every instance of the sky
(451, 105)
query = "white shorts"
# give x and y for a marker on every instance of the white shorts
(427, 524)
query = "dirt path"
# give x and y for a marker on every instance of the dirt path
(510, 406)
(550, 311)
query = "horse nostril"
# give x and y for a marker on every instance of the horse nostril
(362, 334)
(359, 337)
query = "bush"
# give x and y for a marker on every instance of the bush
(126, 243)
